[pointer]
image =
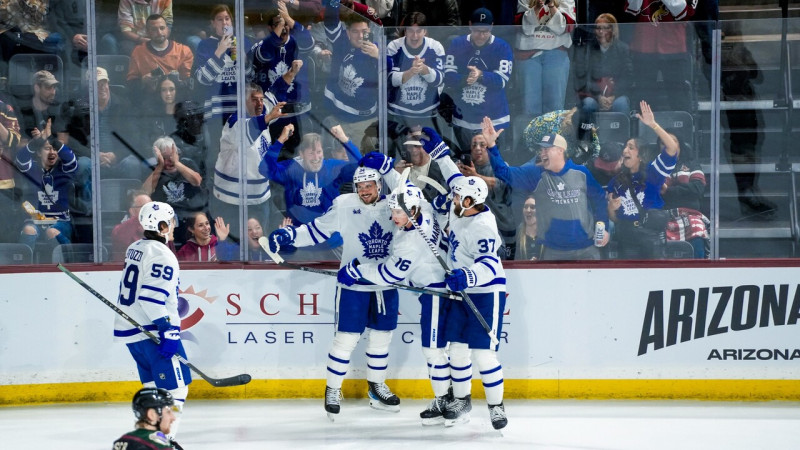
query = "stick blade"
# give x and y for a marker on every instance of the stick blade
(263, 241)
(237, 380)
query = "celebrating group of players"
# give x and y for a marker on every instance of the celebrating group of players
(388, 242)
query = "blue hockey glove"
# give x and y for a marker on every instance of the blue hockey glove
(377, 161)
(434, 145)
(441, 204)
(460, 279)
(349, 274)
(170, 337)
(282, 237)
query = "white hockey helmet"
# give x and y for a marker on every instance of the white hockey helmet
(153, 213)
(473, 187)
(366, 174)
(412, 197)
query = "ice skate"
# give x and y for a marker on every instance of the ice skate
(434, 413)
(333, 399)
(497, 414)
(381, 397)
(457, 411)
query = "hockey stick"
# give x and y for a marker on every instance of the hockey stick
(278, 259)
(489, 331)
(237, 380)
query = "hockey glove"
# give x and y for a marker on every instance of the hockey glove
(441, 204)
(349, 274)
(460, 279)
(434, 145)
(282, 237)
(170, 337)
(377, 161)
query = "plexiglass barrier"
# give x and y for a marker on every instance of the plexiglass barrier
(677, 138)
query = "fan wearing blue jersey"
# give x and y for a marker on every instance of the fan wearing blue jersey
(476, 71)
(352, 89)
(475, 268)
(364, 223)
(415, 79)
(148, 294)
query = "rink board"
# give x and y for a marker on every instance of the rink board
(623, 332)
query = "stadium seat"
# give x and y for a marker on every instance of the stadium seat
(613, 127)
(11, 253)
(679, 123)
(678, 250)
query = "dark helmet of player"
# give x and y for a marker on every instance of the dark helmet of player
(151, 397)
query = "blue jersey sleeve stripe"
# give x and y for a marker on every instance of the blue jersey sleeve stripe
(151, 300)
(490, 267)
(492, 258)
(495, 281)
(382, 268)
(157, 289)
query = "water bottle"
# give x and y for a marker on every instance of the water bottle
(599, 230)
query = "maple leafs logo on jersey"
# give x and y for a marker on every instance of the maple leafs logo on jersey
(629, 206)
(376, 243)
(413, 92)
(349, 82)
(474, 94)
(278, 71)
(174, 192)
(310, 195)
(451, 237)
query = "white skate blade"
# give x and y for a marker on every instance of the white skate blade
(452, 422)
(433, 421)
(331, 417)
(376, 404)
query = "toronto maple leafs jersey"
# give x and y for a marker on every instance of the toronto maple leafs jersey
(148, 289)
(473, 243)
(308, 194)
(51, 187)
(352, 88)
(272, 59)
(647, 187)
(419, 95)
(487, 96)
(365, 229)
(409, 261)
(218, 76)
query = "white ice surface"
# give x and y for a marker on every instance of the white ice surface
(302, 424)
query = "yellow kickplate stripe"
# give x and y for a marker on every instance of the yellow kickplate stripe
(122, 391)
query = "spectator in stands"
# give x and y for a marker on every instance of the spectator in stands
(415, 79)
(225, 200)
(189, 135)
(608, 163)
(352, 89)
(568, 199)
(685, 188)
(68, 19)
(604, 70)
(366, 11)
(175, 180)
(635, 203)
(24, 28)
(278, 69)
(574, 125)
(159, 119)
(659, 46)
(415, 157)
(499, 198)
(528, 248)
(215, 69)
(542, 58)
(129, 230)
(132, 19)
(202, 245)
(9, 141)
(231, 252)
(438, 13)
(158, 56)
(43, 107)
(477, 69)
(310, 182)
(48, 165)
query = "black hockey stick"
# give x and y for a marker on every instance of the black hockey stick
(277, 259)
(237, 380)
(489, 331)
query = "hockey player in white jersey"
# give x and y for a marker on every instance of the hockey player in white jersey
(148, 293)
(475, 268)
(364, 222)
(408, 264)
